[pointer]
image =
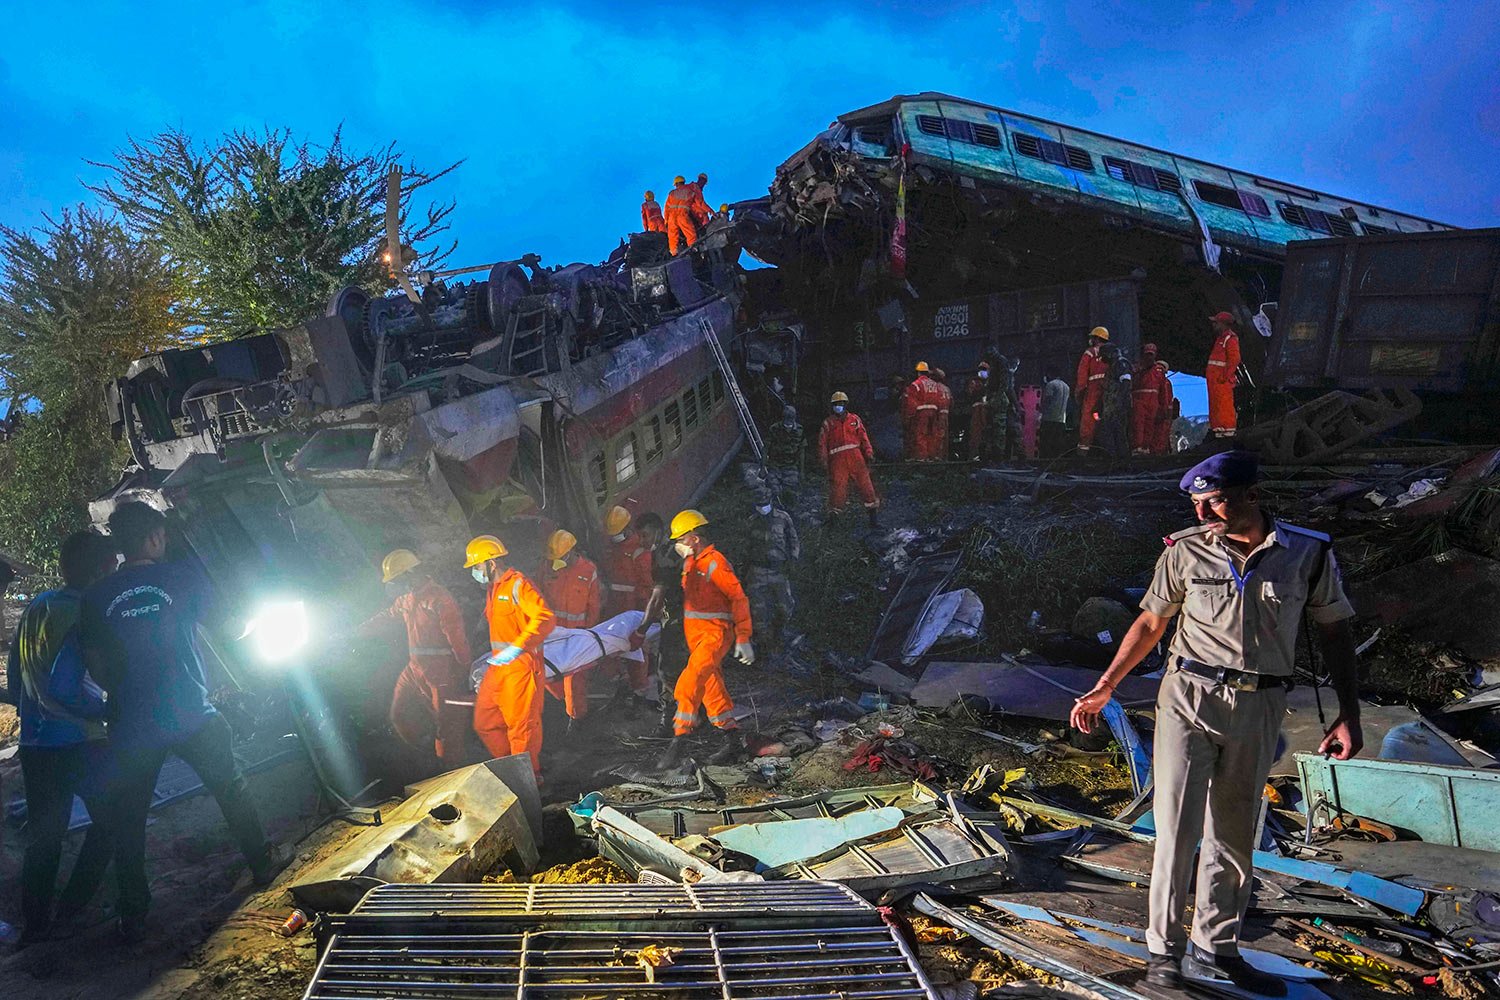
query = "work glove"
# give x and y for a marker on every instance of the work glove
(505, 655)
(744, 652)
(477, 670)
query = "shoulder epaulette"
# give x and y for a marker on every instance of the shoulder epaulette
(1177, 536)
(1297, 529)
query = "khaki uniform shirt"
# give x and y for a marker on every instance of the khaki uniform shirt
(1245, 617)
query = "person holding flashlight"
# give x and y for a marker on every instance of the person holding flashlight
(427, 707)
(1241, 581)
(508, 707)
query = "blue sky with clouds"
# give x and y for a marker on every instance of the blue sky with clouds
(564, 115)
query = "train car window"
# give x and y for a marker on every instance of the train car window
(1142, 175)
(625, 459)
(1053, 152)
(706, 395)
(1254, 204)
(718, 388)
(654, 442)
(690, 408)
(986, 135)
(672, 416)
(1311, 218)
(1167, 181)
(958, 131)
(1218, 194)
(930, 125)
(1372, 229)
(597, 478)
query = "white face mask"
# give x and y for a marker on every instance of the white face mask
(764, 508)
(984, 373)
(617, 538)
(683, 549)
(478, 573)
(838, 408)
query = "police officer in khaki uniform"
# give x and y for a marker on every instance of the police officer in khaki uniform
(1241, 581)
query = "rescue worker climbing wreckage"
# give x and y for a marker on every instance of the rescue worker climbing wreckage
(429, 710)
(774, 546)
(715, 618)
(919, 417)
(698, 206)
(682, 231)
(845, 451)
(508, 706)
(1222, 376)
(1088, 387)
(652, 221)
(569, 582)
(1240, 581)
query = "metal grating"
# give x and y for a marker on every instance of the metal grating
(826, 963)
(776, 941)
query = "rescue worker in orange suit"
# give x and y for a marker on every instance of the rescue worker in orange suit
(698, 205)
(1088, 387)
(978, 394)
(1222, 376)
(508, 707)
(569, 582)
(844, 449)
(628, 568)
(715, 619)
(682, 231)
(944, 396)
(428, 707)
(1167, 410)
(919, 414)
(1148, 382)
(652, 221)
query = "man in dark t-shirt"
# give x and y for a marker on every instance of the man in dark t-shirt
(138, 630)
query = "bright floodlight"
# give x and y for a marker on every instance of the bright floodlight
(279, 630)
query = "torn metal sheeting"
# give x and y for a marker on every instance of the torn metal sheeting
(934, 840)
(928, 575)
(1301, 732)
(782, 842)
(956, 615)
(1456, 806)
(1037, 690)
(451, 828)
(771, 942)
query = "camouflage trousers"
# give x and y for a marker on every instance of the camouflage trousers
(771, 605)
(782, 480)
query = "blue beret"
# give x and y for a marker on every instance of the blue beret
(1221, 471)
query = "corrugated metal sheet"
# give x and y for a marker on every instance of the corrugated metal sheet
(1415, 310)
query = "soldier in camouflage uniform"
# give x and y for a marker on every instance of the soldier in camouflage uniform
(773, 546)
(784, 445)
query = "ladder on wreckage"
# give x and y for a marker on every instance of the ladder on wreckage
(741, 406)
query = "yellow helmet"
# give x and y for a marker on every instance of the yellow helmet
(839, 397)
(650, 195)
(685, 521)
(397, 562)
(1099, 332)
(723, 208)
(483, 548)
(559, 544)
(922, 366)
(679, 179)
(616, 521)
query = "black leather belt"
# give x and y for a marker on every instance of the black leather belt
(1240, 680)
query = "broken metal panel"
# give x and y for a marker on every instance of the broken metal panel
(1038, 690)
(1457, 806)
(635, 848)
(928, 575)
(1332, 423)
(451, 828)
(688, 821)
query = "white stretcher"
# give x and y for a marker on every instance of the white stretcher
(570, 650)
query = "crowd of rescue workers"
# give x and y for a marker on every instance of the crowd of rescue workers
(117, 642)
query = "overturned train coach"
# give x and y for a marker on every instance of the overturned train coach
(290, 462)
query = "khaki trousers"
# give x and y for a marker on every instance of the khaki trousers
(1214, 748)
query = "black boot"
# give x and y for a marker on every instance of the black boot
(675, 755)
(1163, 971)
(874, 513)
(1229, 970)
(731, 749)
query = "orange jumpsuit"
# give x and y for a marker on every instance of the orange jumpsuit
(428, 707)
(628, 568)
(652, 220)
(682, 231)
(1088, 389)
(919, 414)
(1223, 363)
(978, 393)
(1146, 404)
(716, 615)
(844, 449)
(508, 708)
(1166, 412)
(573, 595)
(939, 442)
(697, 205)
